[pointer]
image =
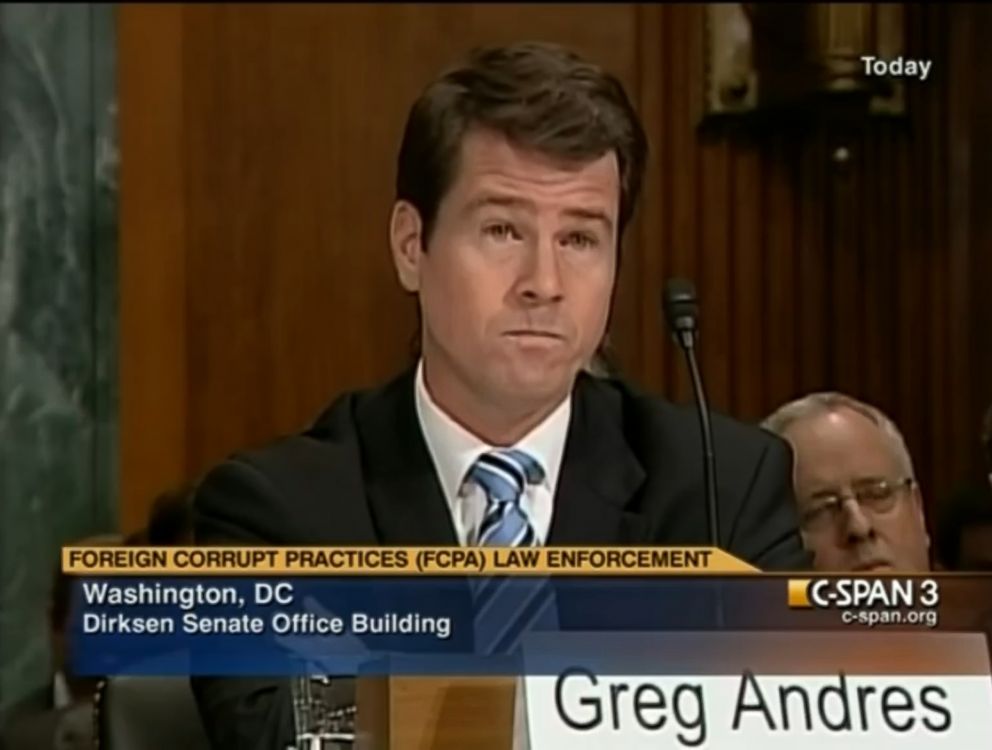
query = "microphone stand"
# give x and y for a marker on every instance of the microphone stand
(681, 313)
(687, 340)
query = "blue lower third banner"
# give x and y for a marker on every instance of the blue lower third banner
(231, 626)
(269, 626)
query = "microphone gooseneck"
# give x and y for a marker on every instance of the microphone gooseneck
(682, 314)
(681, 310)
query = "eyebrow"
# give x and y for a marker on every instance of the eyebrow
(498, 200)
(509, 201)
(591, 214)
(827, 492)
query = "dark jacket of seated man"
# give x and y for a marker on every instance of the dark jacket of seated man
(631, 474)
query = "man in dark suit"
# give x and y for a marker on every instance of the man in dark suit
(517, 175)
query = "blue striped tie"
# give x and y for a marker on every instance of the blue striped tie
(503, 475)
(506, 607)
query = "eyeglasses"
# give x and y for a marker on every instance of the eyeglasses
(875, 496)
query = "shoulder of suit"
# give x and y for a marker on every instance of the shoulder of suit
(327, 444)
(646, 419)
(646, 413)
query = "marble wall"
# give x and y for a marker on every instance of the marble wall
(58, 197)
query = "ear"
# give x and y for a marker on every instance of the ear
(406, 243)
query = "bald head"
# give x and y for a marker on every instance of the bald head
(858, 500)
(827, 403)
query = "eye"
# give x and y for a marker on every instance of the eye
(820, 510)
(501, 231)
(875, 491)
(581, 240)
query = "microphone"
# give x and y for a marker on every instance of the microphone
(682, 314)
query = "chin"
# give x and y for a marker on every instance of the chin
(533, 392)
(535, 386)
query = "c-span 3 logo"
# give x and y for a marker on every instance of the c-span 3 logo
(870, 601)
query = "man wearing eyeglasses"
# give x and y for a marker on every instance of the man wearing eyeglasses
(859, 503)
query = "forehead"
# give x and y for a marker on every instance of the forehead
(490, 162)
(838, 447)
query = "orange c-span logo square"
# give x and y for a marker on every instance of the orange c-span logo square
(799, 592)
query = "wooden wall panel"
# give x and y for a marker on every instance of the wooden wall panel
(258, 204)
(154, 424)
(812, 345)
(684, 158)
(972, 182)
(649, 248)
(747, 267)
(780, 262)
(980, 200)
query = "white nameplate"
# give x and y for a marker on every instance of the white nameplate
(745, 702)
(578, 711)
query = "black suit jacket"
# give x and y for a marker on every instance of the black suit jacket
(631, 474)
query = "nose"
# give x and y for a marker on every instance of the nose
(540, 279)
(856, 525)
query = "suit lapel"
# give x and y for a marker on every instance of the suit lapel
(404, 494)
(599, 474)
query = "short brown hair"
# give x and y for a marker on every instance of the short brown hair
(538, 95)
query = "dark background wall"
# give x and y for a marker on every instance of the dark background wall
(258, 149)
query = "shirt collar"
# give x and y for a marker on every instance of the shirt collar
(454, 449)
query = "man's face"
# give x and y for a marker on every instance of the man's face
(838, 454)
(516, 279)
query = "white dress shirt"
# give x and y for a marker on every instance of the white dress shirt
(454, 449)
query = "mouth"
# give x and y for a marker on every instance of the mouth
(872, 566)
(531, 334)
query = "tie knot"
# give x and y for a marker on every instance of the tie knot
(504, 474)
